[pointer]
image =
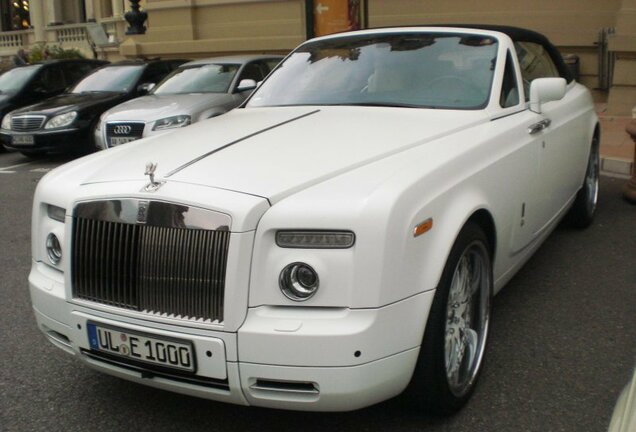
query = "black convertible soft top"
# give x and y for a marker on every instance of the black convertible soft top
(518, 34)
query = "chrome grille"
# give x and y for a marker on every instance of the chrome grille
(134, 129)
(173, 272)
(27, 123)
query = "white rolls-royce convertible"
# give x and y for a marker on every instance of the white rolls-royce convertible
(335, 240)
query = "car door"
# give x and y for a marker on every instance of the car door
(557, 134)
(154, 73)
(47, 83)
(519, 168)
(270, 64)
(254, 71)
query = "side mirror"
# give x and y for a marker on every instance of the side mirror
(144, 89)
(245, 85)
(544, 90)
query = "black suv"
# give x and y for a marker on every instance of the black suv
(26, 85)
(65, 123)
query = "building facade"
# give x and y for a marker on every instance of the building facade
(602, 33)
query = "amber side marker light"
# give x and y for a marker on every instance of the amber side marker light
(423, 227)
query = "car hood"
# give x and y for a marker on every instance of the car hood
(70, 101)
(274, 152)
(154, 107)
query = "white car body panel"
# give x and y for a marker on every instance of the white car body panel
(624, 415)
(375, 171)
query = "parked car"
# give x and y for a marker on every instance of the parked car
(336, 239)
(26, 85)
(66, 123)
(624, 415)
(195, 91)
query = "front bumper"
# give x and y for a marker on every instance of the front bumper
(288, 358)
(53, 141)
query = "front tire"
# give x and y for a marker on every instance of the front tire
(457, 329)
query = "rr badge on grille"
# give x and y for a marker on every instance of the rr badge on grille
(142, 212)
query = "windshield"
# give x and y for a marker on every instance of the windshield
(119, 79)
(434, 70)
(208, 78)
(13, 80)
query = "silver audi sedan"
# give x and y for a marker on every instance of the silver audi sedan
(196, 91)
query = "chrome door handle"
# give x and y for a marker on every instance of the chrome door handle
(539, 126)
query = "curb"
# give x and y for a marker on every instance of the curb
(616, 167)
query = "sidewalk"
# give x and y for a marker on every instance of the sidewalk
(617, 148)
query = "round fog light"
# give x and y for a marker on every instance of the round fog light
(53, 249)
(298, 281)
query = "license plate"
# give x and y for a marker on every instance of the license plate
(115, 141)
(159, 351)
(22, 139)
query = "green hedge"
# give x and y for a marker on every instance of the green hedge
(55, 52)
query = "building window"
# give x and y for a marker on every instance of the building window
(15, 15)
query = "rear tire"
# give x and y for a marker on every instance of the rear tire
(582, 212)
(457, 329)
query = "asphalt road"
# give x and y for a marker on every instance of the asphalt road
(563, 344)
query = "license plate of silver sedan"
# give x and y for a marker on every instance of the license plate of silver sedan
(337, 239)
(115, 141)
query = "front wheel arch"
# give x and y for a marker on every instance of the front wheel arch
(485, 221)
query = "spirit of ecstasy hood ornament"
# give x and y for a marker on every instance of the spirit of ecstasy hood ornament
(150, 172)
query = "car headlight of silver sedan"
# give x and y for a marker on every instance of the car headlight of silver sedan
(61, 120)
(6, 122)
(172, 122)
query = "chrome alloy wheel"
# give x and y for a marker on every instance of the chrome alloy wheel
(467, 317)
(591, 179)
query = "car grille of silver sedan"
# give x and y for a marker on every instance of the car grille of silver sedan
(27, 123)
(133, 129)
(172, 272)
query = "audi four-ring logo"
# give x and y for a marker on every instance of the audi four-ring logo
(122, 129)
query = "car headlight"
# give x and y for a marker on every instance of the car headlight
(6, 122)
(61, 120)
(298, 281)
(172, 122)
(315, 239)
(53, 249)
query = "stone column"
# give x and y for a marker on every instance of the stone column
(36, 14)
(629, 191)
(118, 8)
(89, 8)
(54, 12)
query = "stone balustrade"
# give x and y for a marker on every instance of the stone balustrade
(71, 34)
(14, 40)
